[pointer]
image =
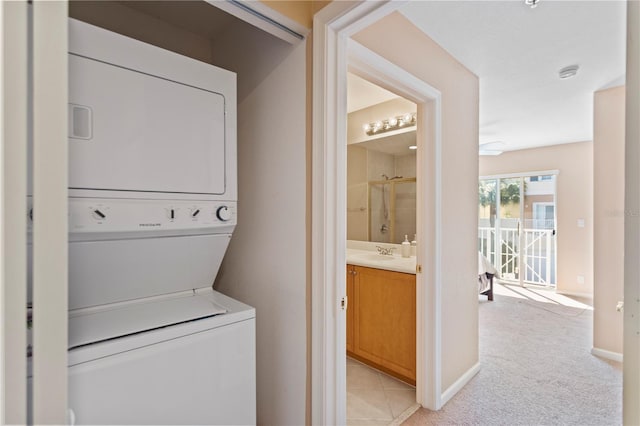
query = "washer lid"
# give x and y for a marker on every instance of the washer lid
(94, 325)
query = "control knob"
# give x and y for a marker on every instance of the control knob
(223, 213)
(97, 214)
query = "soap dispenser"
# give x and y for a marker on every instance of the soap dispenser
(406, 247)
(414, 246)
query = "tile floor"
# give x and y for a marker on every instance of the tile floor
(374, 398)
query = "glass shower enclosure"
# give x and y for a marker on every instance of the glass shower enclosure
(392, 209)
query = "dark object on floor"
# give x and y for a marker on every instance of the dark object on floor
(489, 291)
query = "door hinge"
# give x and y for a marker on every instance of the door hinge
(343, 303)
(418, 269)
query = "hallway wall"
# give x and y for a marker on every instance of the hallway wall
(608, 211)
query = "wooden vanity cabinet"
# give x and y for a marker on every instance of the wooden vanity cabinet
(381, 320)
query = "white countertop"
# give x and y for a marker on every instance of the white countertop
(365, 254)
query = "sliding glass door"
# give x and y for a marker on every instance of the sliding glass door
(517, 227)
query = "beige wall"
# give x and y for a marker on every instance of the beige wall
(631, 373)
(260, 55)
(459, 89)
(574, 201)
(266, 262)
(608, 212)
(127, 21)
(301, 11)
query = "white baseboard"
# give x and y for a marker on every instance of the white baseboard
(614, 356)
(575, 293)
(405, 415)
(459, 384)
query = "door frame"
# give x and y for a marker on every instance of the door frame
(333, 54)
(14, 30)
(631, 347)
(34, 112)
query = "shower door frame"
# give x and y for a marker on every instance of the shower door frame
(392, 201)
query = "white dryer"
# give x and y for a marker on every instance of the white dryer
(153, 204)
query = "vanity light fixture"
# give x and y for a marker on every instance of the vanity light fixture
(413, 146)
(392, 123)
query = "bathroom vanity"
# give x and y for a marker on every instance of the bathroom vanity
(381, 313)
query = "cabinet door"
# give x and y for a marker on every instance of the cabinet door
(350, 307)
(385, 319)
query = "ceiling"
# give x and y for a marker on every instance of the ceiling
(517, 52)
(362, 94)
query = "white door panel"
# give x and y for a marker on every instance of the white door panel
(133, 131)
(104, 272)
(204, 378)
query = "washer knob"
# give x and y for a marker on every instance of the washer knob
(223, 213)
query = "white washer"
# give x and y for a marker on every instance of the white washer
(193, 372)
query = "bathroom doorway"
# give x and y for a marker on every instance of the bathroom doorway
(380, 252)
(334, 52)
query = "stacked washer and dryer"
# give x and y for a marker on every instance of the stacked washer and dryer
(152, 207)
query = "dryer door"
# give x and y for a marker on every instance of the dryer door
(137, 132)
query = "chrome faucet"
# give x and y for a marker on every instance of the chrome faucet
(385, 251)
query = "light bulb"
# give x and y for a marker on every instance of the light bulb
(377, 126)
(393, 122)
(408, 118)
(367, 127)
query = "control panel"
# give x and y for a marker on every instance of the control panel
(127, 215)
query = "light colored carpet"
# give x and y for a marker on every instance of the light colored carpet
(536, 367)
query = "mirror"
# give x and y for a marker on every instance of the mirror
(381, 174)
(381, 166)
(381, 193)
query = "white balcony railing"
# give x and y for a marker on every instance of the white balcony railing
(537, 251)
